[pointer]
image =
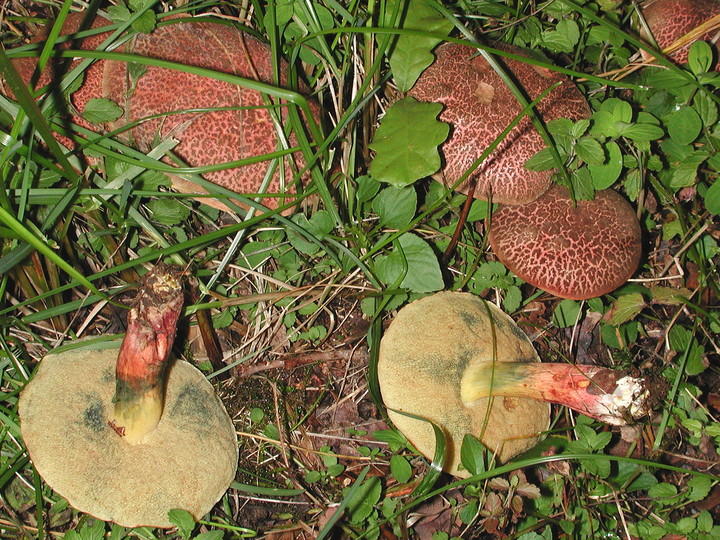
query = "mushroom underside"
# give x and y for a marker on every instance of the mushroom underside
(423, 356)
(187, 462)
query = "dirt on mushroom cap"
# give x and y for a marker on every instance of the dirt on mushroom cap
(187, 462)
(573, 252)
(423, 356)
(478, 105)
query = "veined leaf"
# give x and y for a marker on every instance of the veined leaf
(406, 143)
(413, 53)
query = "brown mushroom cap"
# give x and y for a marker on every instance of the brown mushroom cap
(669, 20)
(423, 356)
(574, 252)
(187, 462)
(478, 106)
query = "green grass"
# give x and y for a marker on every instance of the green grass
(299, 296)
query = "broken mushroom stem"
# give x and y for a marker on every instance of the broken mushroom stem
(605, 394)
(143, 357)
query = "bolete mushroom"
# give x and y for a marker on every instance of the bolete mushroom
(224, 122)
(459, 362)
(129, 435)
(574, 250)
(478, 105)
(670, 20)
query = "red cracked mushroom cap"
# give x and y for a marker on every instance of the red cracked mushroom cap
(574, 252)
(478, 106)
(206, 138)
(669, 20)
(92, 77)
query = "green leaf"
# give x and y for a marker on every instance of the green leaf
(582, 184)
(512, 299)
(472, 455)
(626, 308)
(590, 151)
(700, 57)
(413, 53)
(210, 535)
(563, 38)
(168, 211)
(543, 160)
(395, 439)
(684, 125)
(119, 13)
(566, 313)
(706, 108)
(640, 132)
(396, 206)
(712, 198)
(406, 143)
(364, 499)
(416, 258)
(367, 188)
(663, 493)
(101, 111)
(620, 110)
(424, 274)
(184, 521)
(685, 173)
(145, 23)
(400, 469)
(606, 174)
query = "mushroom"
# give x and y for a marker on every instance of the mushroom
(670, 20)
(459, 362)
(205, 138)
(575, 250)
(478, 105)
(129, 435)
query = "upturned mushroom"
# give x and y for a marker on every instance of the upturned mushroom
(478, 105)
(461, 363)
(573, 249)
(224, 122)
(128, 435)
(670, 20)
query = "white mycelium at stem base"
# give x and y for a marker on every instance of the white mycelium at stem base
(605, 394)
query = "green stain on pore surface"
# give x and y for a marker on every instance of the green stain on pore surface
(108, 375)
(94, 417)
(470, 319)
(195, 406)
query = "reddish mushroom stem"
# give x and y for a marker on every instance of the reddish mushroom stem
(144, 353)
(601, 393)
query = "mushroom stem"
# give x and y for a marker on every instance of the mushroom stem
(143, 357)
(601, 393)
